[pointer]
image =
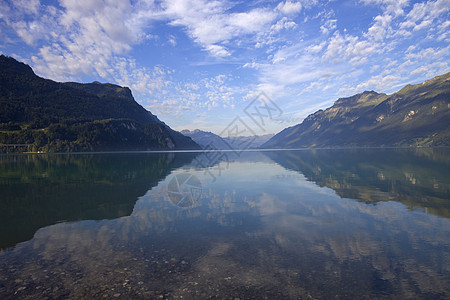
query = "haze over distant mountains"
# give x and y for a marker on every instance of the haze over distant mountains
(51, 116)
(417, 115)
(213, 141)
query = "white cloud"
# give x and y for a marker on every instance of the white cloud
(172, 40)
(27, 6)
(170, 107)
(218, 51)
(444, 32)
(445, 25)
(379, 83)
(419, 70)
(435, 54)
(210, 24)
(59, 64)
(381, 28)
(374, 68)
(205, 94)
(289, 7)
(143, 80)
(252, 65)
(328, 26)
(284, 23)
(422, 15)
(85, 37)
(340, 64)
(24, 19)
(392, 7)
(291, 69)
(103, 24)
(77, 38)
(316, 48)
(95, 38)
(349, 48)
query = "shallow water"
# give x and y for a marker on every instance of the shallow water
(325, 224)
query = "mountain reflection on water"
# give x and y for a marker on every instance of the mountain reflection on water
(263, 228)
(41, 190)
(417, 177)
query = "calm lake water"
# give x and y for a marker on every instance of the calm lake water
(308, 224)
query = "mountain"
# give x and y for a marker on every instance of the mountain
(417, 115)
(208, 139)
(51, 116)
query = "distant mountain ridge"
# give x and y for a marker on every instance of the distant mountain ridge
(51, 116)
(208, 139)
(417, 115)
(205, 138)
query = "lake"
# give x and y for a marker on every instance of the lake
(345, 224)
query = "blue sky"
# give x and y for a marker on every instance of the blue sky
(198, 64)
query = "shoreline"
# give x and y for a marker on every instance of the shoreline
(223, 150)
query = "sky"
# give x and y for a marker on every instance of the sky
(200, 64)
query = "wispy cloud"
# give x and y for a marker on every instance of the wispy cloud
(336, 64)
(211, 25)
(78, 37)
(222, 53)
(289, 7)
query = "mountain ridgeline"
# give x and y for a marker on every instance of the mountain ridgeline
(209, 140)
(417, 115)
(38, 114)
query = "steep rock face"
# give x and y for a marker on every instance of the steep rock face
(53, 116)
(416, 115)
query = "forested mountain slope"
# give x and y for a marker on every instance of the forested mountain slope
(61, 117)
(417, 115)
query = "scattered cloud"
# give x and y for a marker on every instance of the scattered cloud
(172, 40)
(222, 53)
(284, 23)
(289, 7)
(207, 94)
(391, 7)
(217, 50)
(78, 37)
(328, 26)
(210, 24)
(28, 6)
(422, 16)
